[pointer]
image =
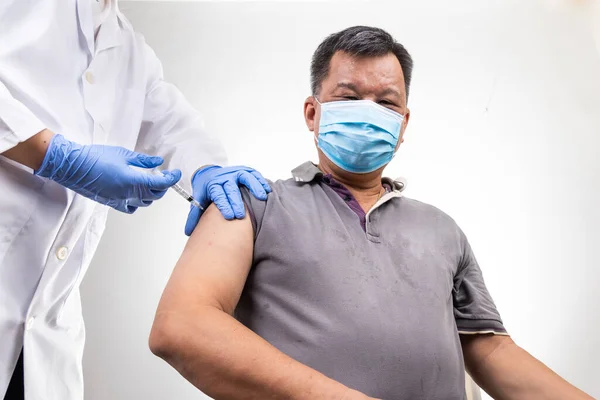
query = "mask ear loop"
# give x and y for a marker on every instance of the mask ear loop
(399, 137)
(314, 135)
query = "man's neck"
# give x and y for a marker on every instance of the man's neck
(366, 188)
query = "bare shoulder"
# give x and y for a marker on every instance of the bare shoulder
(214, 230)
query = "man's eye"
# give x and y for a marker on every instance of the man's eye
(386, 103)
(350, 97)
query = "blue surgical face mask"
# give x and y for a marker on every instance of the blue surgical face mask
(358, 136)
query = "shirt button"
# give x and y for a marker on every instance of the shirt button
(61, 253)
(29, 323)
(89, 77)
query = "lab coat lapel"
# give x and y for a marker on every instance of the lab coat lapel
(109, 34)
(86, 23)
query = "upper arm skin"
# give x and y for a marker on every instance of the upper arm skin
(484, 361)
(213, 267)
(478, 347)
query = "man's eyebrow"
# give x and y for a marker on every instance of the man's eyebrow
(391, 91)
(347, 85)
(354, 88)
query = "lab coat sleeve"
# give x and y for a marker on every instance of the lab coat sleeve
(173, 129)
(17, 122)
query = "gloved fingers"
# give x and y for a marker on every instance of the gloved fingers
(153, 195)
(192, 220)
(234, 197)
(241, 169)
(200, 180)
(262, 180)
(205, 169)
(162, 182)
(120, 205)
(253, 184)
(139, 202)
(144, 160)
(218, 196)
(235, 168)
(157, 194)
(131, 210)
(127, 207)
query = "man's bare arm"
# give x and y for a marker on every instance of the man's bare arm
(506, 371)
(195, 332)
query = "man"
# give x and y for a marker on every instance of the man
(341, 287)
(79, 91)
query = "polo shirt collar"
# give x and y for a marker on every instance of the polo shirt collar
(308, 172)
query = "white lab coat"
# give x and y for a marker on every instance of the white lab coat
(108, 90)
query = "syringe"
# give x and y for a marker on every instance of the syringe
(182, 192)
(186, 196)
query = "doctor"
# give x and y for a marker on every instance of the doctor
(82, 100)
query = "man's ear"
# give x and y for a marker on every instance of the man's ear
(310, 113)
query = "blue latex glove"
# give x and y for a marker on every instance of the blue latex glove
(103, 173)
(220, 186)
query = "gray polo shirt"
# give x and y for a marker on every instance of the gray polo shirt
(375, 301)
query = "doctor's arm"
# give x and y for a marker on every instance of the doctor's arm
(100, 173)
(195, 332)
(506, 371)
(23, 137)
(32, 151)
(173, 129)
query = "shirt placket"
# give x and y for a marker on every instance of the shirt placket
(371, 226)
(366, 220)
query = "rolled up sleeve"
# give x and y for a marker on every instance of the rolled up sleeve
(474, 309)
(17, 122)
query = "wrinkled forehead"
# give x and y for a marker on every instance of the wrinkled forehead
(364, 74)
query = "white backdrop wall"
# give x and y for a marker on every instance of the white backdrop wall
(504, 136)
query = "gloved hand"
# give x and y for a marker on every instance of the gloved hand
(220, 186)
(103, 173)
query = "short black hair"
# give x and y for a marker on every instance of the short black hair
(358, 41)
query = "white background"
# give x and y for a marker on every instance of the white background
(504, 136)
